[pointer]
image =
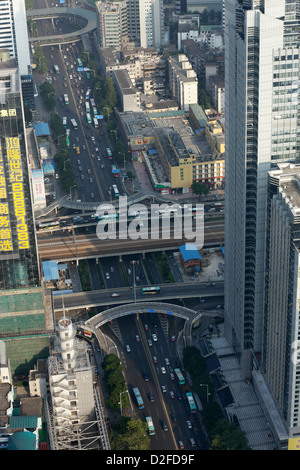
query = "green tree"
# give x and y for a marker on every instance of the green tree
(134, 437)
(39, 59)
(227, 436)
(200, 188)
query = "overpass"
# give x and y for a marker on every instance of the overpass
(90, 299)
(44, 13)
(75, 247)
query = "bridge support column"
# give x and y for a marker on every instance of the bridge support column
(77, 261)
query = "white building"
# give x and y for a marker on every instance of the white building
(151, 23)
(183, 81)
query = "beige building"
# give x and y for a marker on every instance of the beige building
(112, 29)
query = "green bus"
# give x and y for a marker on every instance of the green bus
(151, 429)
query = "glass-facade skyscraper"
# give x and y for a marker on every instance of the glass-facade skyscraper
(262, 122)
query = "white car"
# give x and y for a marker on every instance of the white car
(149, 342)
(163, 370)
(154, 337)
(167, 361)
(128, 348)
(163, 389)
(107, 275)
(189, 424)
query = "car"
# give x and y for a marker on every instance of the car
(92, 138)
(102, 167)
(167, 361)
(202, 300)
(137, 278)
(107, 275)
(179, 396)
(164, 426)
(172, 395)
(155, 359)
(115, 294)
(109, 192)
(92, 195)
(146, 327)
(219, 306)
(137, 338)
(65, 85)
(142, 275)
(163, 370)
(129, 271)
(79, 168)
(89, 171)
(98, 158)
(112, 269)
(78, 162)
(46, 180)
(173, 338)
(180, 445)
(82, 177)
(84, 147)
(82, 187)
(189, 424)
(192, 441)
(74, 146)
(128, 348)
(93, 156)
(149, 342)
(154, 337)
(150, 397)
(101, 133)
(163, 389)
(91, 180)
(96, 150)
(174, 418)
(172, 376)
(146, 376)
(77, 139)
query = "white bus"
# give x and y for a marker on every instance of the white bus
(74, 124)
(65, 122)
(95, 121)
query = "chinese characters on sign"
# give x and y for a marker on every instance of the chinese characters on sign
(5, 229)
(16, 181)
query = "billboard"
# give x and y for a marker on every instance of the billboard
(38, 188)
(48, 167)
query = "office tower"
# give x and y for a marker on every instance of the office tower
(261, 109)
(112, 27)
(14, 36)
(23, 324)
(282, 294)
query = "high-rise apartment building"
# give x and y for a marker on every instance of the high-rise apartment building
(262, 118)
(112, 27)
(137, 21)
(14, 36)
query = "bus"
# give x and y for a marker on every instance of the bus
(74, 124)
(68, 141)
(87, 95)
(95, 111)
(88, 118)
(191, 402)
(95, 121)
(48, 225)
(151, 429)
(66, 98)
(92, 101)
(179, 376)
(87, 107)
(56, 69)
(115, 190)
(150, 290)
(138, 398)
(79, 62)
(109, 154)
(109, 217)
(65, 122)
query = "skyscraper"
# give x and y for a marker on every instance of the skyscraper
(262, 116)
(14, 36)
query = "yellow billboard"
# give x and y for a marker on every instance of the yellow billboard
(294, 443)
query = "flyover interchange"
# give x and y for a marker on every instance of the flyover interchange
(44, 13)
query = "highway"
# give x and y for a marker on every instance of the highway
(168, 291)
(71, 246)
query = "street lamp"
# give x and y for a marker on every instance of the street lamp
(207, 392)
(134, 284)
(68, 160)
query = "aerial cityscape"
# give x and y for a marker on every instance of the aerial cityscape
(150, 226)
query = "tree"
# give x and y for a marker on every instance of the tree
(200, 188)
(133, 437)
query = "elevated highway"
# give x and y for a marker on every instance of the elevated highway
(75, 247)
(44, 13)
(90, 299)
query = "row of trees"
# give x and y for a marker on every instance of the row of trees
(63, 155)
(223, 434)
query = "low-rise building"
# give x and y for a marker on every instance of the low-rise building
(183, 81)
(129, 96)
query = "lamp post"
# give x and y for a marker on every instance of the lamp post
(134, 284)
(207, 392)
(68, 160)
